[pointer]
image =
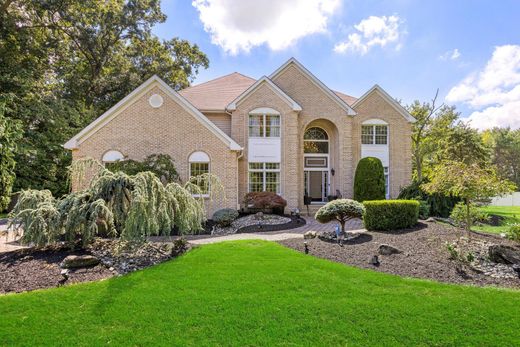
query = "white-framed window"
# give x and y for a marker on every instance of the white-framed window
(264, 177)
(374, 134)
(264, 125)
(112, 156)
(387, 182)
(315, 140)
(199, 165)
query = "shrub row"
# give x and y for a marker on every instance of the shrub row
(390, 214)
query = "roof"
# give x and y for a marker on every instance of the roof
(397, 106)
(265, 81)
(344, 105)
(216, 94)
(153, 81)
(347, 98)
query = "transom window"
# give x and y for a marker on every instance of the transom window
(264, 177)
(315, 140)
(374, 134)
(264, 125)
(199, 165)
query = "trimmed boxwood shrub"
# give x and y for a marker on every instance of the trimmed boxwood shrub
(390, 214)
(369, 181)
(225, 216)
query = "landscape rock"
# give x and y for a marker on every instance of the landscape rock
(431, 220)
(504, 254)
(310, 234)
(78, 261)
(388, 250)
(327, 236)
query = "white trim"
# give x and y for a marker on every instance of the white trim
(350, 111)
(374, 121)
(199, 157)
(112, 156)
(153, 81)
(264, 80)
(264, 110)
(389, 99)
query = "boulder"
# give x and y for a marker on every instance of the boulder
(431, 220)
(309, 234)
(77, 261)
(388, 250)
(504, 254)
(327, 236)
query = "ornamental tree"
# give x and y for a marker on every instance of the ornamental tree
(341, 210)
(10, 133)
(469, 182)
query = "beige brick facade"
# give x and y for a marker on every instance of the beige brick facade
(140, 130)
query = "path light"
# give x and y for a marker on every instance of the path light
(375, 260)
(306, 247)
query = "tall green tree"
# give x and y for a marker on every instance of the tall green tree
(10, 132)
(504, 144)
(63, 63)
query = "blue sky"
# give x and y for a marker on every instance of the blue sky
(468, 49)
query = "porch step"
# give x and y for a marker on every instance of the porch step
(312, 210)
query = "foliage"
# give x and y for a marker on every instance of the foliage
(469, 182)
(265, 201)
(340, 210)
(460, 217)
(439, 205)
(63, 63)
(10, 133)
(513, 233)
(505, 151)
(160, 164)
(390, 214)
(424, 209)
(369, 180)
(131, 207)
(225, 216)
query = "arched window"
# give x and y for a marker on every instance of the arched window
(112, 156)
(316, 140)
(199, 165)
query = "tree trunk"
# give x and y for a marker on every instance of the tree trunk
(468, 218)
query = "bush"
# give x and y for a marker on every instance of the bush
(266, 201)
(340, 210)
(224, 217)
(424, 209)
(390, 214)
(439, 205)
(369, 181)
(459, 215)
(513, 233)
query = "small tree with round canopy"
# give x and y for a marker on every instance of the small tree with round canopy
(341, 210)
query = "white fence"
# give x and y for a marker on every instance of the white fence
(507, 200)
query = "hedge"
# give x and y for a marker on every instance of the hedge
(390, 214)
(369, 180)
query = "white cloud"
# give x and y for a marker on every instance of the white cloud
(239, 25)
(493, 92)
(450, 55)
(373, 31)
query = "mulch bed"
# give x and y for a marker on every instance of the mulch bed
(295, 222)
(28, 269)
(424, 254)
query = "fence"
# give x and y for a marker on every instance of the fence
(507, 200)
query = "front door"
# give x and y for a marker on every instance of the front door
(316, 183)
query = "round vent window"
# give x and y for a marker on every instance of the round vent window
(155, 101)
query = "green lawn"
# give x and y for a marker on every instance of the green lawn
(510, 213)
(260, 293)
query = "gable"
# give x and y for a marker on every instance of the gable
(377, 98)
(299, 83)
(170, 99)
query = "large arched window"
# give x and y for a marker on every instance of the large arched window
(199, 165)
(316, 140)
(112, 156)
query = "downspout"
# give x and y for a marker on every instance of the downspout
(237, 180)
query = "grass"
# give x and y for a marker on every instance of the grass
(260, 293)
(511, 215)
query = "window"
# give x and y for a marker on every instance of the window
(199, 165)
(264, 177)
(387, 183)
(315, 140)
(264, 125)
(112, 156)
(374, 134)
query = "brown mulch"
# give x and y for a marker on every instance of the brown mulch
(28, 269)
(424, 254)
